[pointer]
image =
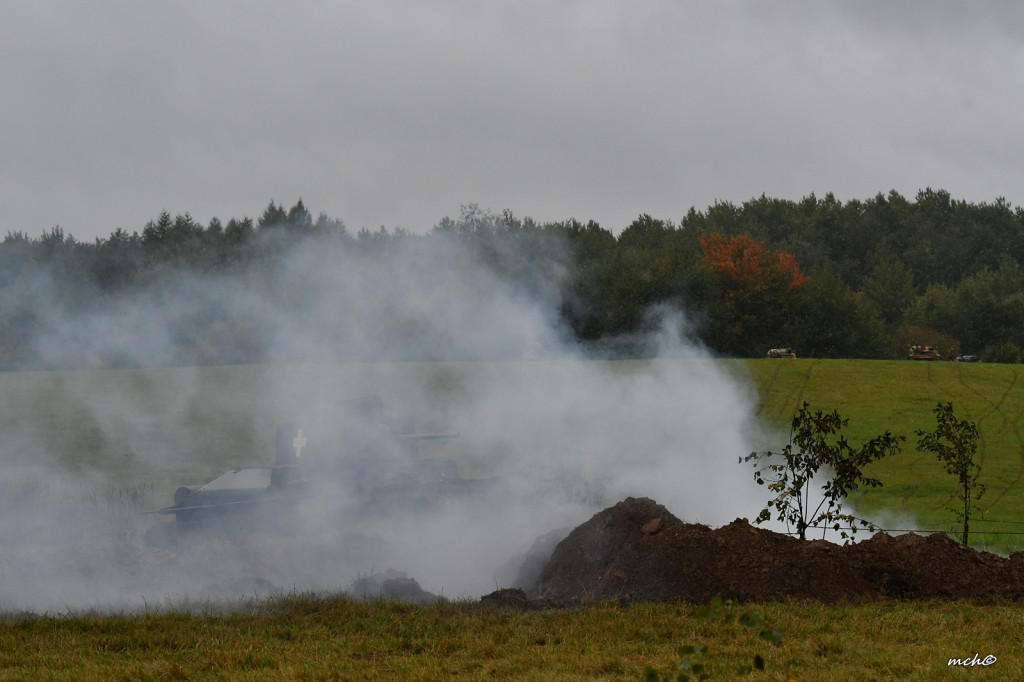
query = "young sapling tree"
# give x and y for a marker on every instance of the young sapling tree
(817, 445)
(955, 442)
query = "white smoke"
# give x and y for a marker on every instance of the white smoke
(422, 324)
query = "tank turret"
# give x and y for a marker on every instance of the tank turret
(366, 456)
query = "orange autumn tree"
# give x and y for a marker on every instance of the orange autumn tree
(750, 265)
(755, 297)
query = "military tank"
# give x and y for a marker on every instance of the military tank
(369, 462)
(921, 352)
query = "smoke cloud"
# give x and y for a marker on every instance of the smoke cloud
(424, 325)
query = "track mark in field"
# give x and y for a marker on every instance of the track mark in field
(767, 389)
(803, 388)
(997, 410)
(1013, 424)
(931, 380)
(910, 491)
(949, 396)
(996, 406)
(796, 396)
(964, 408)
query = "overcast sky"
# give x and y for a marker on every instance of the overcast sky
(396, 113)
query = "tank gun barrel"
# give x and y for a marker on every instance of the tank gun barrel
(427, 436)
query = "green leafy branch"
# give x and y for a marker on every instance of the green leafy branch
(817, 444)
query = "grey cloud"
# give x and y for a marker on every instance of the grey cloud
(396, 113)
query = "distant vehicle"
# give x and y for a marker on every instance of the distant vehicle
(372, 464)
(967, 358)
(782, 353)
(920, 352)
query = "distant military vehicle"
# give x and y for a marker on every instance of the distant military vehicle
(782, 353)
(373, 463)
(921, 352)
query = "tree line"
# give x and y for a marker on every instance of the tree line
(860, 279)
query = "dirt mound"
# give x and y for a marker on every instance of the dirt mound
(638, 551)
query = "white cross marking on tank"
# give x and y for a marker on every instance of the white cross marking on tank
(299, 443)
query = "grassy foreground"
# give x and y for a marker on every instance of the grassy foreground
(313, 639)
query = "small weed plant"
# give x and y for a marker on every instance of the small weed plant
(694, 667)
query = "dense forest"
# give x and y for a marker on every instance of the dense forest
(863, 279)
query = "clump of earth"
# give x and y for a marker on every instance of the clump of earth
(637, 550)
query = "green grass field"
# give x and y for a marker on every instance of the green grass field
(188, 424)
(899, 396)
(168, 427)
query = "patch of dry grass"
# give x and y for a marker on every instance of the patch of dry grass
(305, 638)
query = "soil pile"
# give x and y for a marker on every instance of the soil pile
(638, 551)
